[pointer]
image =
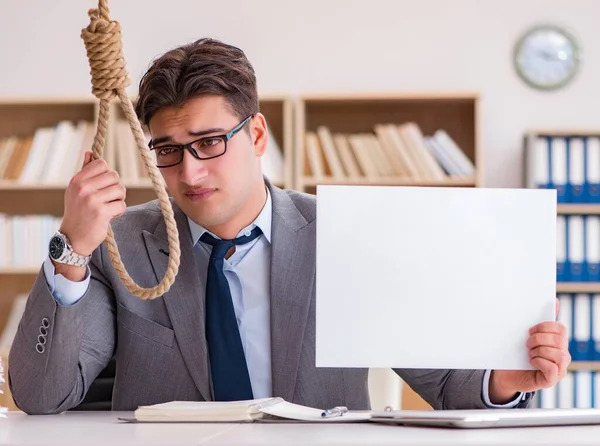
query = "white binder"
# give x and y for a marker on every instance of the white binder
(537, 162)
(566, 396)
(583, 389)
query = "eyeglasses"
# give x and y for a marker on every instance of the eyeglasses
(204, 148)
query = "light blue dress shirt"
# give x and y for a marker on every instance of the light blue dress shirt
(248, 273)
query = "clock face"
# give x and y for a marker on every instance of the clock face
(547, 57)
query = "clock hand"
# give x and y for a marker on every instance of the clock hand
(546, 55)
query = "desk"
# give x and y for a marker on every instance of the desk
(103, 428)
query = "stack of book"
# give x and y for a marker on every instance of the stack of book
(391, 150)
(54, 154)
(24, 239)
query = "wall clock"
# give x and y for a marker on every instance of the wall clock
(547, 57)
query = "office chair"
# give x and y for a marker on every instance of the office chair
(99, 395)
(385, 389)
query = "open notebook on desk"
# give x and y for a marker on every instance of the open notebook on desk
(259, 410)
(271, 410)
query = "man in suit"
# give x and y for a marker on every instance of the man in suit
(239, 321)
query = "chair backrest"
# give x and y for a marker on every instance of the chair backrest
(99, 395)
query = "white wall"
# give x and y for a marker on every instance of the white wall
(327, 45)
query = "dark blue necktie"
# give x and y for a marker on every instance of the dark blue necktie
(229, 371)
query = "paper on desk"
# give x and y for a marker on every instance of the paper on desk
(413, 277)
(297, 412)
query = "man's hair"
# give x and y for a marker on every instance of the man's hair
(204, 67)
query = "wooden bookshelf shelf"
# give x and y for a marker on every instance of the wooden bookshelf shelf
(278, 111)
(23, 116)
(564, 132)
(586, 366)
(346, 139)
(19, 271)
(578, 287)
(453, 182)
(7, 185)
(21, 199)
(580, 209)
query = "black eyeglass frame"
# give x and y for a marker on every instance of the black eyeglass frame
(181, 147)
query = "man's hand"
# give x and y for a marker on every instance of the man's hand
(548, 346)
(94, 196)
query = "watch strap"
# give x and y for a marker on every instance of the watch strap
(70, 257)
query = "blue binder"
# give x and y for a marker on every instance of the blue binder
(575, 245)
(594, 328)
(594, 399)
(584, 277)
(593, 353)
(592, 243)
(576, 170)
(567, 264)
(592, 155)
(578, 348)
(561, 248)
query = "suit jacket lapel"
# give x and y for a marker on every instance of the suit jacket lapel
(184, 300)
(292, 281)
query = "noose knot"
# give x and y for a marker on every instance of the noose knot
(102, 39)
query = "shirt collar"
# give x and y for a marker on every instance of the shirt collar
(263, 221)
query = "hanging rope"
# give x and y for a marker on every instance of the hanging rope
(102, 40)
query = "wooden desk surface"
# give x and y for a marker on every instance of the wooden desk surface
(104, 428)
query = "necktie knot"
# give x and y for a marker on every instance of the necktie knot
(221, 246)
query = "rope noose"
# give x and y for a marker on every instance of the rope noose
(102, 40)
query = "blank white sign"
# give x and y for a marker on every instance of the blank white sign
(425, 277)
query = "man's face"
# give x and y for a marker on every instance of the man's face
(215, 191)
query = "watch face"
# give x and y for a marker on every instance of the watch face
(547, 57)
(57, 246)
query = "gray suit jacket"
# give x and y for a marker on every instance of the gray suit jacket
(160, 348)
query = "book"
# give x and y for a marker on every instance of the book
(257, 410)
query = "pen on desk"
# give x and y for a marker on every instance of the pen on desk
(336, 411)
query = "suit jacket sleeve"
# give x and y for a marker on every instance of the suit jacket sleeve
(450, 389)
(59, 350)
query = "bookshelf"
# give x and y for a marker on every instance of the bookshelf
(289, 118)
(320, 120)
(279, 112)
(33, 196)
(22, 117)
(568, 160)
(334, 134)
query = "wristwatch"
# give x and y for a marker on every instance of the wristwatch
(62, 252)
